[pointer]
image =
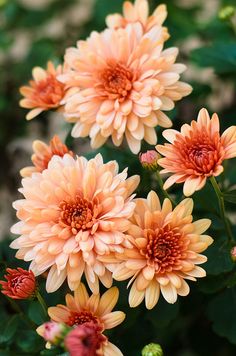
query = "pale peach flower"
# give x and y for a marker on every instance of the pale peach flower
(119, 83)
(138, 12)
(44, 92)
(83, 308)
(73, 211)
(196, 152)
(166, 246)
(43, 154)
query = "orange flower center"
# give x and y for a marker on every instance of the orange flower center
(78, 318)
(79, 215)
(165, 248)
(116, 81)
(200, 154)
(48, 91)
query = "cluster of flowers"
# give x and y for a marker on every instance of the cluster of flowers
(80, 218)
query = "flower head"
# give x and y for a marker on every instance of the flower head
(233, 254)
(119, 82)
(19, 284)
(166, 246)
(53, 332)
(86, 340)
(44, 92)
(138, 12)
(72, 212)
(149, 160)
(152, 350)
(196, 152)
(43, 154)
(82, 309)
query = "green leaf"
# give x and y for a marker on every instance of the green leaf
(36, 313)
(221, 311)
(230, 196)
(10, 329)
(29, 342)
(220, 56)
(219, 260)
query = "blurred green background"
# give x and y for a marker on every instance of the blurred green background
(33, 31)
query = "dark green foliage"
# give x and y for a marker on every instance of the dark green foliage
(202, 324)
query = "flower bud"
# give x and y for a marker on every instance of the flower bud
(226, 13)
(19, 284)
(152, 350)
(85, 340)
(149, 160)
(53, 332)
(233, 254)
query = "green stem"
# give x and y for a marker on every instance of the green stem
(160, 181)
(221, 202)
(42, 303)
(19, 311)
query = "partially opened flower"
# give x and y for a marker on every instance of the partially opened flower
(53, 332)
(83, 308)
(139, 12)
(149, 160)
(196, 152)
(165, 253)
(44, 92)
(72, 212)
(86, 340)
(43, 154)
(19, 284)
(119, 83)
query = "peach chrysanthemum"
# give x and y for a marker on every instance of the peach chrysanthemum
(44, 92)
(43, 154)
(166, 246)
(196, 152)
(82, 309)
(119, 82)
(138, 12)
(72, 212)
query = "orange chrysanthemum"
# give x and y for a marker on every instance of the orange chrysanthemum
(72, 212)
(166, 246)
(196, 152)
(119, 82)
(43, 154)
(138, 12)
(45, 92)
(82, 309)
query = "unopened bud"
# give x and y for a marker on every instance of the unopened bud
(152, 350)
(53, 332)
(233, 254)
(149, 160)
(226, 13)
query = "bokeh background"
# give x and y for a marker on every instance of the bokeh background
(33, 31)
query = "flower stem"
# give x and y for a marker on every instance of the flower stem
(20, 312)
(160, 182)
(42, 303)
(221, 202)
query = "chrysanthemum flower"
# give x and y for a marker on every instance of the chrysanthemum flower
(196, 152)
(86, 340)
(44, 92)
(72, 212)
(53, 332)
(126, 80)
(138, 12)
(43, 154)
(19, 284)
(82, 309)
(166, 246)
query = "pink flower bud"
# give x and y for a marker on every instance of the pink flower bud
(149, 159)
(53, 332)
(85, 340)
(233, 253)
